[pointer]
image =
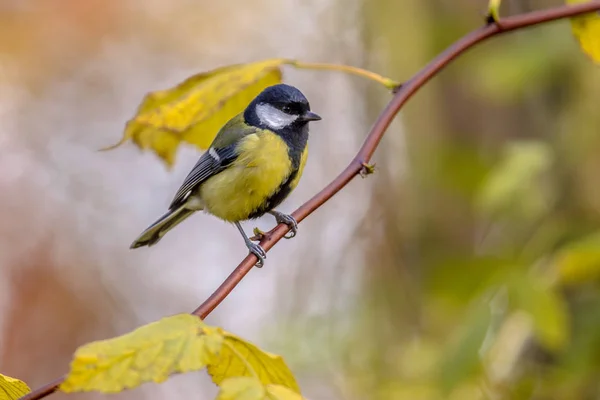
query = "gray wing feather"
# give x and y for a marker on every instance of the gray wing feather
(206, 167)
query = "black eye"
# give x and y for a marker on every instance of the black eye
(286, 109)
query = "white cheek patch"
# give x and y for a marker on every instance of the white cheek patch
(274, 118)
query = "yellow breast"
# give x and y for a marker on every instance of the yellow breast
(255, 175)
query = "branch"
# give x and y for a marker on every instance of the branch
(402, 95)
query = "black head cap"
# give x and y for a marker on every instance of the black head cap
(285, 98)
(282, 93)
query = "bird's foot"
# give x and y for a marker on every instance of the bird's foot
(290, 221)
(259, 252)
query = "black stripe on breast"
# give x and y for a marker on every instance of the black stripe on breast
(296, 140)
(276, 198)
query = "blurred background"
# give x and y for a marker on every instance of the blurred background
(466, 268)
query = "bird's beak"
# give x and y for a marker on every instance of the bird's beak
(310, 116)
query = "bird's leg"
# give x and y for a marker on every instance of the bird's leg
(254, 248)
(290, 221)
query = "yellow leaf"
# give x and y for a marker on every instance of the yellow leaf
(586, 29)
(244, 388)
(152, 352)
(580, 262)
(547, 309)
(11, 388)
(494, 10)
(241, 358)
(197, 108)
(279, 392)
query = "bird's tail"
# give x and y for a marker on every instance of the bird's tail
(157, 230)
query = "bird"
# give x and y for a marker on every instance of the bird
(252, 165)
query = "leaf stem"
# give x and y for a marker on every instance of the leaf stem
(387, 82)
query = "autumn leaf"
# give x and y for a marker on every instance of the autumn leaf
(152, 352)
(244, 388)
(176, 344)
(241, 358)
(11, 388)
(586, 29)
(196, 109)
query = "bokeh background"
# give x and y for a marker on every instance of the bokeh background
(466, 268)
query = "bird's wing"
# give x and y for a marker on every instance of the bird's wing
(210, 163)
(221, 154)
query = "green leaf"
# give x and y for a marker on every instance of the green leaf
(545, 306)
(579, 261)
(461, 357)
(581, 357)
(515, 185)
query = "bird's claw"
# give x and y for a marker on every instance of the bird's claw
(290, 222)
(259, 252)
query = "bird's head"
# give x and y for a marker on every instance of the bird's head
(280, 107)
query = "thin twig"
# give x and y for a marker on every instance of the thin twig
(402, 95)
(384, 120)
(45, 390)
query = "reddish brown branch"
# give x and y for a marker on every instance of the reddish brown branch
(401, 96)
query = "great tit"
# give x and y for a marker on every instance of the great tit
(252, 165)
